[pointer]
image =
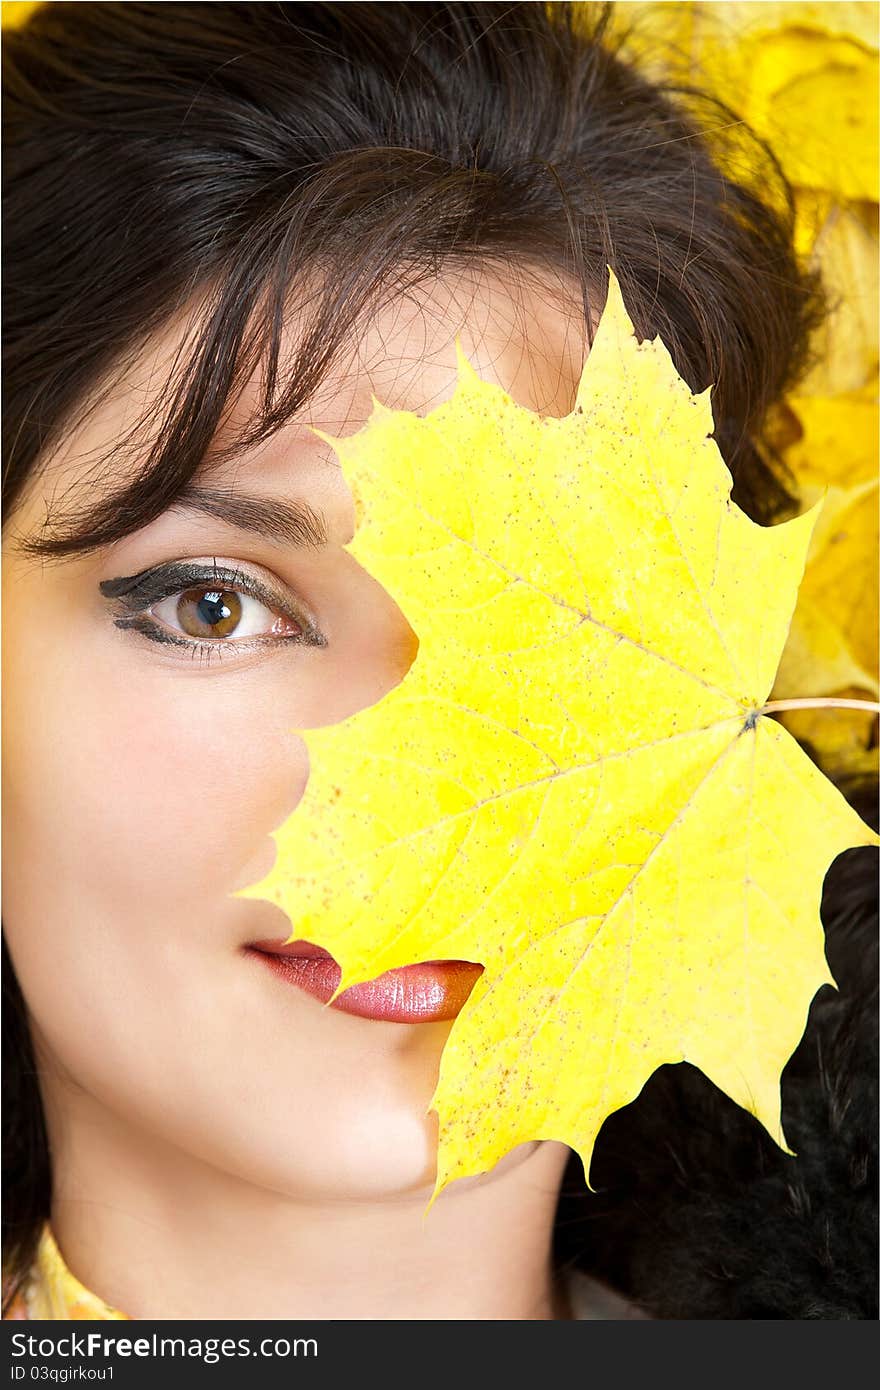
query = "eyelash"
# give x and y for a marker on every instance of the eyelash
(139, 592)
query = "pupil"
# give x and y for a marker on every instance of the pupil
(212, 609)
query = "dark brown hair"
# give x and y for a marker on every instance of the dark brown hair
(158, 155)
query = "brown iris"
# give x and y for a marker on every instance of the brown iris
(209, 613)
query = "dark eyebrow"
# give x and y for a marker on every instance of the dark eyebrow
(283, 521)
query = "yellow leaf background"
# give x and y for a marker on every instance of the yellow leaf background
(804, 75)
(573, 784)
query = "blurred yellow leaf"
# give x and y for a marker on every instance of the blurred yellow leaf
(856, 20)
(659, 34)
(803, 75)
(847, 344)
(833, 638)
(845, 740)
(573, 784)
(821, 119)
(805, 81)
(839, 442)
(15, 12)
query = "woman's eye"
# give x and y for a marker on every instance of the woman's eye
(223, 613)
(208, 611)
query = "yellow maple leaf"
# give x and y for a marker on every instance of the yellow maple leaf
(573, 784)
(803, 73)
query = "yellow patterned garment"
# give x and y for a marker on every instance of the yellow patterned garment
(54, 1294)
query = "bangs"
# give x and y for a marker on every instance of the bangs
(300, 271)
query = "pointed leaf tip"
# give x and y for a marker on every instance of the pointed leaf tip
(378, 409)
(331, 439)
(619, 315)
(467, 374)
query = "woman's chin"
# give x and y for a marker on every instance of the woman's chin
(389, 1172)
(373, 1158)
(360, 1157)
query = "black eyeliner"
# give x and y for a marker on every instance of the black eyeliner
(159, 634)
(140, 590)
(137, 592)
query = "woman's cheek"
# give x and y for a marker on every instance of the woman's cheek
(136, 801)
(203, 771)
(141, 796)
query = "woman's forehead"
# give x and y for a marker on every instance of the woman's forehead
(523, 331)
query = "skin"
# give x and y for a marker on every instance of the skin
(203, 1115)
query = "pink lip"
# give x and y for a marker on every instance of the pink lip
(430, 992)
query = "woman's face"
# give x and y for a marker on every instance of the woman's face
(142, 778)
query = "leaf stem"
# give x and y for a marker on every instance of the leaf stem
(825, 702)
